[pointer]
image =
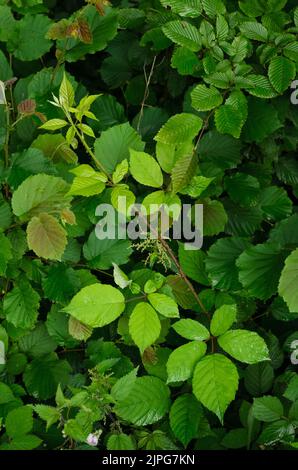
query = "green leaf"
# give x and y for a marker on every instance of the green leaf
(66, 93)
(46, 237)
(258, 378)
(184, 34)
(5, 254)
(164, 305)
(205, 99)
(245, 346)
(87, 182)
(40, 193)
(187, 8)
(21, 304)
(193, 264)
(112, 147)
(229, 120)
(120, 442)
(215, 217)
(254, 30)
(96, 305)
(262, 121)
(260, 87)
(19, 422)
(31, 43)
(37, 342)
(287, 283)
(183, 172)
(145, 169)
(43, 375)
(54, 124)
(123, 386)
(215, 383)
(48, 413)
(222, 319)
(214, 7)
(221, 262)
(236, 438)
(281, 73)
(243, 189)
(185, 418)
(275, 203)
(179, 129)
(185, 61)
(191, 329)
(147, 402)
(79, 330)
(144, 326)
(182, 360)
(25, 442)
(267, 409)
(101, 254)
(261, 262)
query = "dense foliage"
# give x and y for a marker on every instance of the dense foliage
(147, 345)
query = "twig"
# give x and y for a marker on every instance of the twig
(146, 93)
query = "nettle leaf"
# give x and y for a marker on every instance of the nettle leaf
(267, 409)
(182, 360)
(96, 305)
(147, 402)
(281, 73)
(48, 413)
(21, 305)
(46, 237)
(222, 319)
(215, 383)
(113, 146)
(245, 346)
(145, 169)
(186, 415)
(144, 326)
(258, 263)
(40, 193)
(205, 99)
(183, 34)
(287, 283)
(164, 305)
(221, 262)
(179, 129)
(191, 329)
(187, 8)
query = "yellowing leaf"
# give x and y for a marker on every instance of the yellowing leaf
(46, 237)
